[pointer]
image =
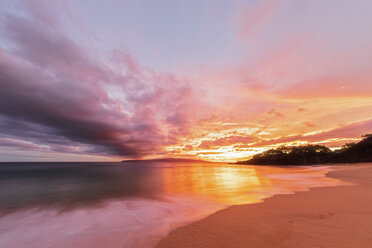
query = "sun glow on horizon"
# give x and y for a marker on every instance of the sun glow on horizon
(241, 151)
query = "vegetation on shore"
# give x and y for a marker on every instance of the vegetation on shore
(315, 154)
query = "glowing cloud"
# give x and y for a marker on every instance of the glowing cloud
(213, 81)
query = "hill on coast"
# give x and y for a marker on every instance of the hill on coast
(356, 153)
(174, 160)
(315, 154)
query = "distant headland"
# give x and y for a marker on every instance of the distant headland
(174, 160)
(315, 154)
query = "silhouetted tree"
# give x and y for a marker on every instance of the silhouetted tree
(367, 136)
(292, 155)
(347, 146)
(315, 154)
(356, 153)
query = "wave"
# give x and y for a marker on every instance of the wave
(136, 223)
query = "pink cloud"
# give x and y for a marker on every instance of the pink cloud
(329, 86)
(255, 18)
(350, 131)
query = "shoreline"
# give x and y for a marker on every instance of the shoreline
(336, 216)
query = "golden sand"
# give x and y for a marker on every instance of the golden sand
(328, 217)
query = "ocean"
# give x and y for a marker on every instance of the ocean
(131, 205)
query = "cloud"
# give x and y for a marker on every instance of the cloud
(226, 141)
(274, 112)
(301, 109)
(254, 19)
(349, 131)
(296, 74)
(308, 124)
(54, 93)
(352, 130)
(7, 142)
(341, 85)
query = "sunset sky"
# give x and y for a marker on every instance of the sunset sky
(215, 80)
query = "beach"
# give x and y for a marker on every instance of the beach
(185, 124)
(339, 216)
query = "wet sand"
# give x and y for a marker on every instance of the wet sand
(328, 217)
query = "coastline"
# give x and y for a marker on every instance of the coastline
(338, 216)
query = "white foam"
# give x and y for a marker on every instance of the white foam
(135, 223)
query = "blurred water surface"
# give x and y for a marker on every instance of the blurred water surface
(129, 204)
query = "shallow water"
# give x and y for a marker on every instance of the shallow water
(129, 205)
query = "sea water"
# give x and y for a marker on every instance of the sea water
(132, 204)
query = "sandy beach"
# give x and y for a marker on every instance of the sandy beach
(339, 216)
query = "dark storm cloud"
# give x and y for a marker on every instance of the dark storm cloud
(64, 108)
(52, 92)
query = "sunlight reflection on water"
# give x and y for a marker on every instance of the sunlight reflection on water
(236, 184)
(134, 205)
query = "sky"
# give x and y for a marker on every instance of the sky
(215, 80)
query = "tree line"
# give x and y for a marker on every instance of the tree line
(315, 154)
